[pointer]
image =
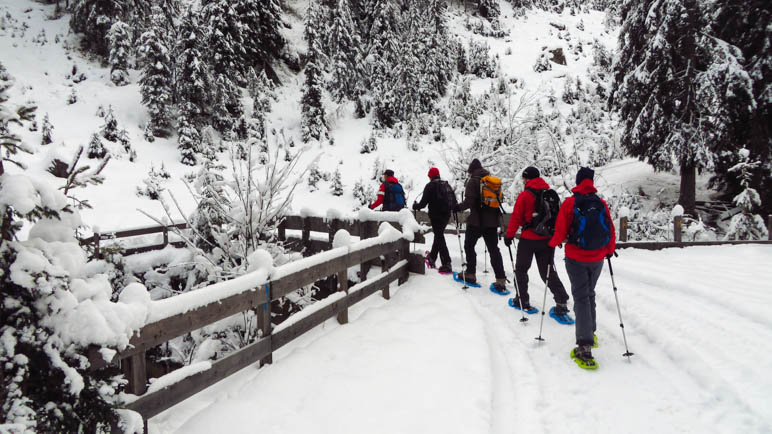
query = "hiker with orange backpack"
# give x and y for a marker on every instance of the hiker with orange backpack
(483, 200)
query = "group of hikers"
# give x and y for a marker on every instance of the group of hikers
(582, 222)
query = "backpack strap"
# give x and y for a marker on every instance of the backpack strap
(535, 193)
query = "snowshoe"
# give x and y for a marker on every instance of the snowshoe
(594, 340)
(503, 291)
(457, 278)
(584, 361)
(429, 262)
(563, 318)
(528, 308)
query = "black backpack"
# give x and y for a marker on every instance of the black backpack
(393, 197)
(545, 213)
(590, 228)
(445, 196)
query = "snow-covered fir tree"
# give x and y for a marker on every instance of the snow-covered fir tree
(109, 129)
(94, 18)
(343, 49)
(314, 176)
(363, 192)
(313, 124)
(260, 22)
(261, 91)
(156, 84)
(489, 8)
(46, 131)
(119, 38)
(152, 186)
(188, 140)
(336, 187)
(72, 98)
(660, 92)
(96, 149)
(746, 225)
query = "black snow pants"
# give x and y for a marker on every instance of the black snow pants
(526, 251)
(439, 247)
(490, 235)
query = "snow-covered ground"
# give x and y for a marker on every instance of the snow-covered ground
(437, 359)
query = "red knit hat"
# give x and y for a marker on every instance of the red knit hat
(433, 172)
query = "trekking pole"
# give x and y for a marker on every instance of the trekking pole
(485, 260)
(461, 251)
(517, 290)
(544, 302)
(619, 311)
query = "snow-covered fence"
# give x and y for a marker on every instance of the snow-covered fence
(175, 316)
(623, 243)
(96, 239)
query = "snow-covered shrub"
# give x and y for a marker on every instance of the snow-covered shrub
(72, 98)
(314, 176)
(362, 192)
(542, 63)
(96, 149)
(46, 131)
(479, 61)
(463, 108)
(337, 184)
(746, 225)
(153, 183)
(368, 145)
(119, 38)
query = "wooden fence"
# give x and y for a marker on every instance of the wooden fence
(394, 266)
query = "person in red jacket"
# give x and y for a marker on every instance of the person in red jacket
(533, 245)
(390, 193)
(585, 221)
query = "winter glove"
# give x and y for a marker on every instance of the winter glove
(608, 256)
(508, 241)
(456, 208)
(415, 206)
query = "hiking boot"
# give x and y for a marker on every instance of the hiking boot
(561, 309)
(445, 269)
(500, 285)
(523, 305)
(429, 261)
(469, 278)
(584, 353)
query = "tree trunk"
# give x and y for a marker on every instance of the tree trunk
(688, 193)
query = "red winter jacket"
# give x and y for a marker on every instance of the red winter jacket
(381, 191)
(563, 226)
(523, 212)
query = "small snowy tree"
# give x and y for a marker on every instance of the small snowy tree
(746, 225)
(109, 129)
(314, 176)
(313, 125)
(156, 82)
(72, 98)
(119, 39)
(96, 149)
(363, 193)
(46, 131)
(337, 184)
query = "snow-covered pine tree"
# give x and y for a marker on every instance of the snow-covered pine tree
(46, 131)
(188, 138)
(210, 219)
(313, 124)
(344, 46)
(742, 70)
(119, 38)
(109, 129)
(261, 91)
(489, 8)
(260, 21)
(659, 88)
(72, 98)
(363, 192)
(336, 187)
(746, 225)
(156, 84)
(194, 84)
(94, 18)
(96, 149)
(314, 176)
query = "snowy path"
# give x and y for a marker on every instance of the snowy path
(437, 359)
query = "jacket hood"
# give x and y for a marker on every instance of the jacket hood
(474, 165)
(392, 179)
(537, 184)
(587, 186)
(480, 172)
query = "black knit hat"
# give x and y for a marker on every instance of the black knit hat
(388, 172)
(584, 173)
(474, 165)
(531, 172)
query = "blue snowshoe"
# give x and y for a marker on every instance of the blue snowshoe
(458, 279)
(493, 289)
(563, 318)
(528, 308)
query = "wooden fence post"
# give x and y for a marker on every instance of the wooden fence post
(385, 292)
(97, 238)
(306, 238)
(769, 227)
(283, 230)
(343, 286)
(264, 322)
(677, 222)
(623, 229)
(335, 226)
(166, 236)
(404, 253)
(135, 371)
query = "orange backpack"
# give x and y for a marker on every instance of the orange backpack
(490, 192)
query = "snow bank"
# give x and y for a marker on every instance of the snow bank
(177, 375)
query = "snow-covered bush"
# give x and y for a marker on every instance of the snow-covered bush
(542, 63)
(364, 193)
(368, 145)
(337, 184)
(46, 131)
(479, 61)
(119, 38)
(96, 149)
(153, 183)
(746, 225)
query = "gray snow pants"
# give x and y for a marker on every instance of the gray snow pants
(584, 276)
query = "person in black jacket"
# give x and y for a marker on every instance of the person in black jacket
(482, 222)
(439, 215)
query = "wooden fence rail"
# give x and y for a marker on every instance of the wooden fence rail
(394, 267)
(678, 237)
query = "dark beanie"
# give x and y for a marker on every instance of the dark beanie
(474, 165)
(434, 172)
(388, 172)
(584, 173)
(530, 172)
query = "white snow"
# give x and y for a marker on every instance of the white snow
(341, 239)
(130, 422)
(437, 359)
(677, 211)
(177, 375)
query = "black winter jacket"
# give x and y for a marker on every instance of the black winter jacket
(430, 196)
(479, 216)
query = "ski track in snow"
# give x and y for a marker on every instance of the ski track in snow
(700, 363)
